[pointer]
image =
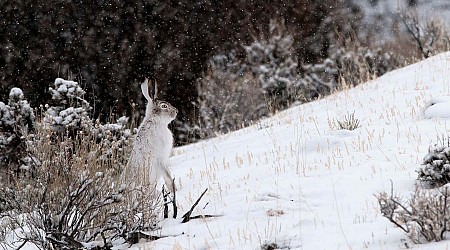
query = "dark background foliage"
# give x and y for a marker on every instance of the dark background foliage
(110, 46)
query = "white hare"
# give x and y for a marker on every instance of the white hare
(154, 141)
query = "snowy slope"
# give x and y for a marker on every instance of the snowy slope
(294, 181)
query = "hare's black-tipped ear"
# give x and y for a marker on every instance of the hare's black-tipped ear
(144, 88)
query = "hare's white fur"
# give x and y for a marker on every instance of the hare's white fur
(153, 144)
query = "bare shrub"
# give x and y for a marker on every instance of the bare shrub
(424, 217)
(429, 38)
(75, 199)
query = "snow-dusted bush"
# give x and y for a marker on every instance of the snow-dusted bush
(69, 113)
(362, 64)
(436, 166)
(273, 61)
(424, 217)
(17, 122)
(68, 110)
(237, 91)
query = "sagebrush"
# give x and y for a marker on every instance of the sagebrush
(435, 170)
(425, 216)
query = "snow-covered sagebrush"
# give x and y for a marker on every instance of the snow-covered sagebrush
(274, 63)
(70, 110)
(69, 113)
(17, 121)
(436, 166)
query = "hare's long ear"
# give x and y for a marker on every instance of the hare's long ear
(155, 96)
(144, 88)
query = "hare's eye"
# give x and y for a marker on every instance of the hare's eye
(164, 106)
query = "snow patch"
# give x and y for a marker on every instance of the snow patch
(438, 107)
(321, 143)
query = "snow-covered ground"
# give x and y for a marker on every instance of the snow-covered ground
(295, 181)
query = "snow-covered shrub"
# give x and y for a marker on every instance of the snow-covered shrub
(319, 79)
(69, 113)
(429, 38)
(271, 79)
(17, 123)
(436, 165)
(75, 200)
(274, 63)
(424, 217)
(68, 110)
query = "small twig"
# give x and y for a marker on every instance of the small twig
(187, 216)
(204, 216)
(136, 236)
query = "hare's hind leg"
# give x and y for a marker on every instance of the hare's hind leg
(170, 183)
